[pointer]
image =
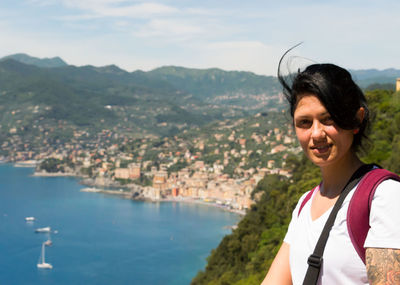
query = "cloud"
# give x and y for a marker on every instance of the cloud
(235, 45)
(144, 10)
(252, 56)
(120, 8)
(144, 20)
(41, 2)
(169, 28)
(226, 34)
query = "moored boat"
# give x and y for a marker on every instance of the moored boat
(43, 230)
(42, 261)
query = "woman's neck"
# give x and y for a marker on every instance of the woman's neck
(335, 177)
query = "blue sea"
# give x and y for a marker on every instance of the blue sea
(100, 239)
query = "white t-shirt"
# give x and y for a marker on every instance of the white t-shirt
(341, 263)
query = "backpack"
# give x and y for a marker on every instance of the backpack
(360, 205)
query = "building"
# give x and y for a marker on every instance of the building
(159, 181)
(398, 85)
(271, 163)
(152, 193)
(134, 170)
(183, 173)
(122, 173)
(242, 142)
(175, 192)
(278, 148)
(199, 165)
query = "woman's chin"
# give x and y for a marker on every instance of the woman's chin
(321, 160)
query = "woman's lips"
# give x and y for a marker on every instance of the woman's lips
(321, 149)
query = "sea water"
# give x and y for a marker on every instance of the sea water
(100, 239)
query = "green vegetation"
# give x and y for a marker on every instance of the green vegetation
(122, 181)
(52, 165)
(42, 92)
(244, 256)
(177, 166)
(211, 82)
(384, 136)
(94, 108)
(45, 62)
(382, 79)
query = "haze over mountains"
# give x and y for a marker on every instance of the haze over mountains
(40, 62)
(163, 101)
(159, 102)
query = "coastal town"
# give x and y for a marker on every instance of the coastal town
(219, 164)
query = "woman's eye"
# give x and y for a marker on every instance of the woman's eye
(328, 121)
(303, 123)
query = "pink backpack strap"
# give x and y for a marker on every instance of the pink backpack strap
(360, 206)
(308, 197)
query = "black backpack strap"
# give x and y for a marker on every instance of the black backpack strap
(315, 259)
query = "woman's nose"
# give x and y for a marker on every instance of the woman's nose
(317, 131)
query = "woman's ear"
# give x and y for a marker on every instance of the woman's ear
(360, 117)
(360, 114)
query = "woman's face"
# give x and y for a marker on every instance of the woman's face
(322, 140)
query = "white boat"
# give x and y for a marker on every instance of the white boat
(42, 261)
(29, 219)
(43, 230)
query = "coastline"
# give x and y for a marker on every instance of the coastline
(202, 202)
(92, 187)
(88, 224)
(54, 174)
(189, 200)
(120, 192)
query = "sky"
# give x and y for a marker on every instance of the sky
(239, 35)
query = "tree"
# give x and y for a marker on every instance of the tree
(52, 165)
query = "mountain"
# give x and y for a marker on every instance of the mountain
(86, 97)
(45, 62)
(210, 82)
(35, 101)
(224, 88)
(160, 102)
(368, 77)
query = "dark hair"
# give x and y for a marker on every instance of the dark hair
(336, 90)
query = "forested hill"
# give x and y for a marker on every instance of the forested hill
(161, 102)
(40, 62)
(207, 83)
(368, 78)
(244, 256)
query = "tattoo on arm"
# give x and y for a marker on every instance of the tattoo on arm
(383, 266)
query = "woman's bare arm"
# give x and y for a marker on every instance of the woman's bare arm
(383, 266)
(279, 272)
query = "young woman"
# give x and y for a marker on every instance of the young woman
(330, 116)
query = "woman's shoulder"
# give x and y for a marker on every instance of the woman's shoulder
(388, 185)
(387, 194)
(388, 181)
(305, 197)
(385, 216)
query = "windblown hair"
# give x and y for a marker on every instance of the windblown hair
(336, 90)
